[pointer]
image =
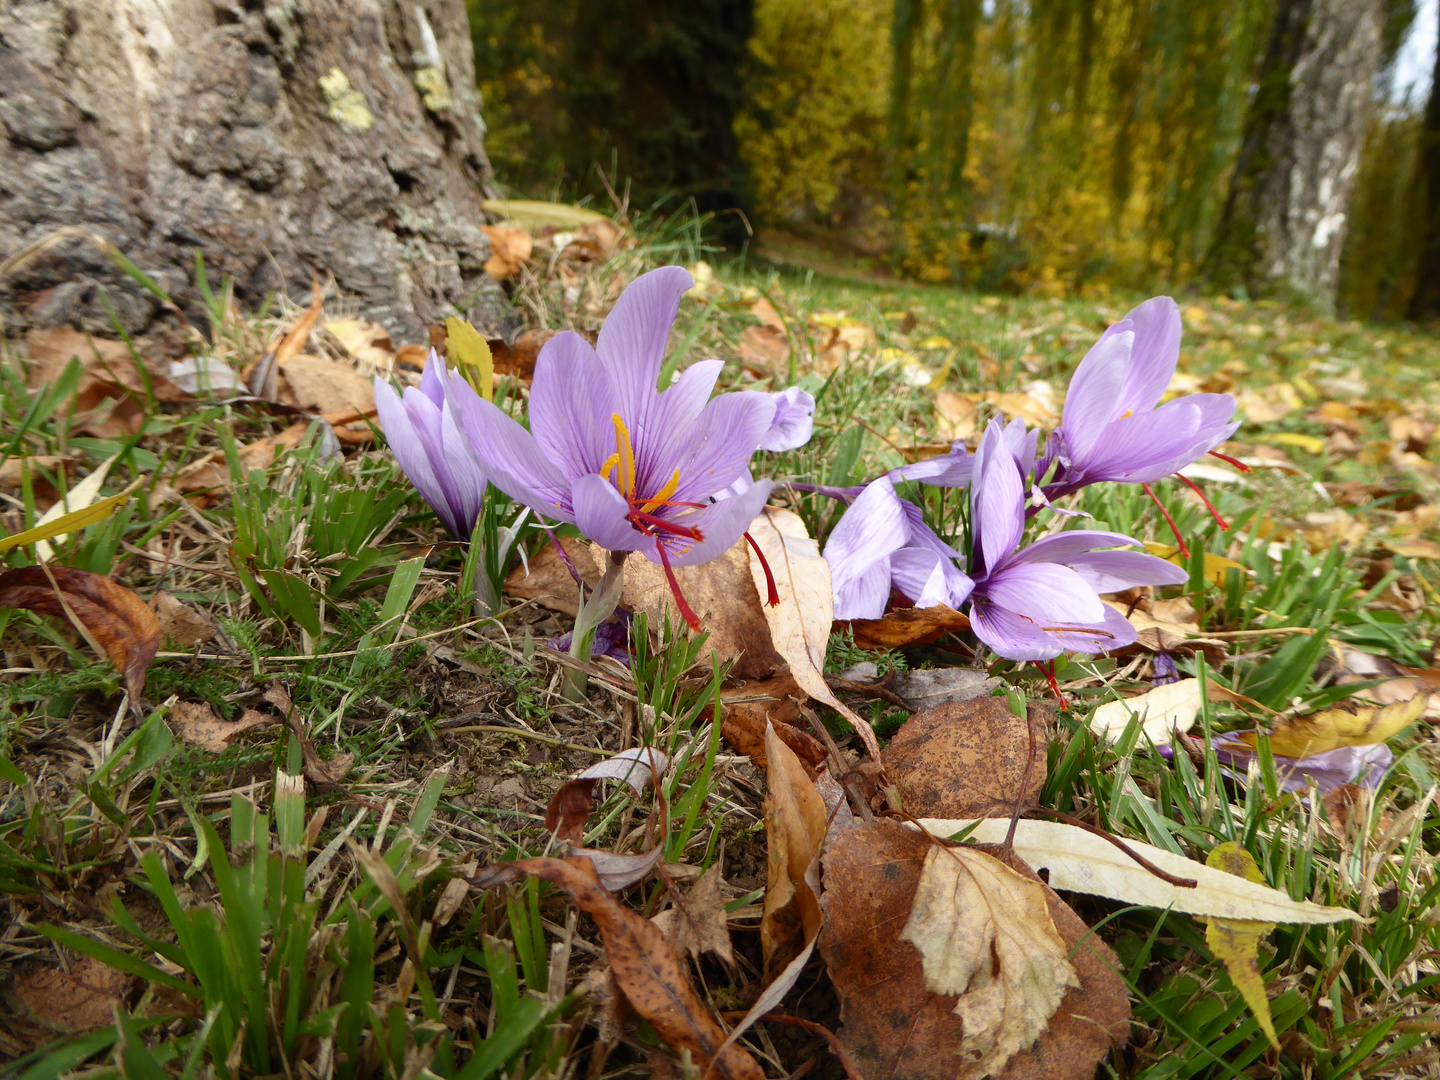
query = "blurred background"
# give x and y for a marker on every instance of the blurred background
(1052, 147)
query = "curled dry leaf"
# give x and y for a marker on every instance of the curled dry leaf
(1170, 626)
(697, 923)
(967, 759)
(645, 968)
(750, 707)
(894, 1025)
(1350, 724)
(800, 623)
(637, 766)
(569, 810)
(196, 723)
(620, 871)
(509, 248)
(906, 626)
(795, 823)
(984, 933)
(1236, 942)
(318, 385)
(1080, 861)
(111, 616)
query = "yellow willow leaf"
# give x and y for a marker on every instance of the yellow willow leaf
(68, 523)
(984, 932)
(1303, 736)
(1236, 942)
(1311, 443)
(471, 354)
(1216, 566)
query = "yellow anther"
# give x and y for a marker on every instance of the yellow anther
(608, 464)
(624, 457)
(663, 495)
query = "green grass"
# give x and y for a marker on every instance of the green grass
(285, 947)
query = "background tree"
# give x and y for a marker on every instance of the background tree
(277, 140)
(1426, 302)
(1285, 217)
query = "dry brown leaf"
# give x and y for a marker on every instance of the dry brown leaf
(765, 311)
(518, 357)
(12, 468)
(795, 822)
(984, 933)
(368, 344)
(322, 386)
(1170, 626)
(751, 706)
(763, 346)
(906, 626)
(800, 623)
(893, 1025)
(197, 724)
(1348, 724)
(697, 923)
(955, 415)
(77, 1000)
(546, 579)
(110, 400)
(509, 248)
(112, 617)
(645, 968)
(329, 772)
(182, 624)
(970, 755)
(569, 810)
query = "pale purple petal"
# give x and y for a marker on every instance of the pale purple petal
(1328, 770)
(928, 578)
(432, 379)
(603, 515)
(872, 529)
(865, 595)
(1095, 389)
(1021, 444)
(572, 400)
(465, 467)
(1010, 635)
(669, 424)
(997, 500)
(409, 451)
(721, 442)
(952, 470)
(1112, 632)
(1152, 360)
(1114, 571)
(1142, 448)
(632, 339)
(794, 421)
(721, 524)
(1050, 594)
(1065, 546)
(512, 459)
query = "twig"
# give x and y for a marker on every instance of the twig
(533, 736)
(877, 689)
(1024, 783)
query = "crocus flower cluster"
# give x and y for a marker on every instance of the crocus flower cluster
(1032, 602)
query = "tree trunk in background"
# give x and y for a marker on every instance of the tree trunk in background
(326, 136)
(1425, 304)
(899, 160)
(1283, 225)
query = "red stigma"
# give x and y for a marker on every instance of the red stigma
(773, 595)
(691, 620)
(1179, 540)
(1226, 457)
(1047, 668)
(1213, 512)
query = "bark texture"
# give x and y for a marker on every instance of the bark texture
(278, 137)
(1425, 304)
(1284, 219)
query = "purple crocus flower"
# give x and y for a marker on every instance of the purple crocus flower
(635, 468)
(1327, 770)
(1036, 602)
(883, 542)
(949, 470)
(794, 420)
(1111, 428)
(435, 455)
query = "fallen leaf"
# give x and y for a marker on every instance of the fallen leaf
(83, 494)
(956, 416)
(929, 688)
(110, 400)
(765, 311)
(1236, 941)
(322, 386)
(762, 346)
(906, 626)
(197, 724)
(795, 823)
(1266, 406)
(1217, 567)
(1164, 710)
(984, 933)
(1080, 861)
(471, 354)
(12, 468)
(536, 213)
(509, 248)
(750, 706)
(645, 967)
(893, 1025)
(368, 344)
(112, 617)
(569, 810)
(518, 358)
(967, 759)
(546, 579)
(205, 375)
(618, 871)
(329, 771)
(637, 766)
(800, 623)
(1170, 626)
(181, 624)
(1350, 724)
(262, 378)
(697, 923)
(80, 999)
(1415, 549)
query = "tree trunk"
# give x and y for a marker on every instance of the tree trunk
(1425, 304)
(278, 139)
(1283, 225)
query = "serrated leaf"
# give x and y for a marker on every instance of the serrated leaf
(1236, 942)
(471, 354)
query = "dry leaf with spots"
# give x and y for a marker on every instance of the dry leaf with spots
(1236, 942)
(697, 923)
(1350, 724)
(113, 618)
(967, 759)
(894, 1025)
(984, 933)
(81, 999)
(196, 723)
(646, 970)
(795, 823)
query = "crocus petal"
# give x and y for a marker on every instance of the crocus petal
(1142, 448)
(513, 460)
(928, 578)
(871, 530)
(465, 467)
(1112, 632)
(432, 379)
(952, 470)
(1064, 547)
(632, 340)
(1114, 571)
(670, 424)
(997, 500)
(399, 429)
(572, 400)
(1050, 594)
(865, 595)
(1152, 360)
(1094, 389)
(721, 523)
(427, 421)
(604, 516)
(1327, 770)
(1009, 635)
(1021, 444)
(721, 441)
(794, 421)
